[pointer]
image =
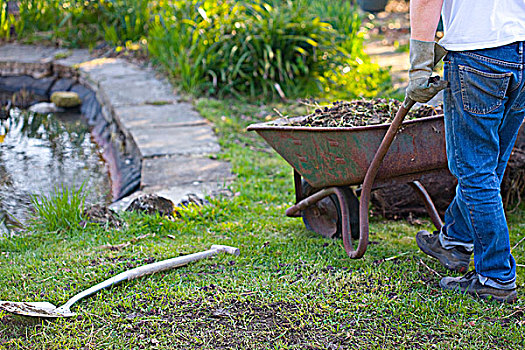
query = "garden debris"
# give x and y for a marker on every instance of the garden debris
(430, 269)
(360, 113)
(193, 199)
(117, 247)
(100, 214)
(220, 312)
(151, 204)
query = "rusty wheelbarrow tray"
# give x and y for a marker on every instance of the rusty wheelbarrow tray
(331, 159)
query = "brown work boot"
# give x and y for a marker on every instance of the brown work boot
(455, 259)
(471, 285)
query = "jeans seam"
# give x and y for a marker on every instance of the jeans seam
(457, 160)
(493, 60)
(518, 83)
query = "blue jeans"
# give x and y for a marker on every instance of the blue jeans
(484, 108)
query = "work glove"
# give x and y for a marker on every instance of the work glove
(424, 56)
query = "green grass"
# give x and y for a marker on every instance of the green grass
(289, 288)
(60, 210)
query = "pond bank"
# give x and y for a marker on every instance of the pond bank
(138, 114)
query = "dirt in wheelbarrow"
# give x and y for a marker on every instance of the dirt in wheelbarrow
(360, 113)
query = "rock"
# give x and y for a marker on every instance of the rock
(194, 199)
(151, 204)
(102, 215)
(66, 99)
(44, 108)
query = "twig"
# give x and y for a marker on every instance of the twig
(280, 91)
(517, 244)
(278, 112)
(520, 309)
(520, 265)
(396, 256)
(308, 104)
(430, 269)
(45, 279)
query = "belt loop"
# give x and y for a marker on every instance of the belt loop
(520, 51)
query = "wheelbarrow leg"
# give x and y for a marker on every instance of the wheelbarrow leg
(346, 228)
(429, 204)
(299, 195)
(371, 175)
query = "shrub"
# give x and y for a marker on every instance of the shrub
(242, 48)
(83, 22)
(74, 23)
(262, 48)
(125, 20)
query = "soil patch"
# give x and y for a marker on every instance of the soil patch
(361, 113)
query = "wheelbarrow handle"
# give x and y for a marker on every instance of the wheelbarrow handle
(371, 175)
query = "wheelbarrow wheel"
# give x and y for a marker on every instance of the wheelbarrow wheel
(324, 217)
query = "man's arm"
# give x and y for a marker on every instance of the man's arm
(424, 52)
(424, 18)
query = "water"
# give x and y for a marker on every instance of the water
(40, 153)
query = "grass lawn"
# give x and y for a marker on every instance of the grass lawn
(289, 288)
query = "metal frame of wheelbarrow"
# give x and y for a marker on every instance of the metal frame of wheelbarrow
(337, 190)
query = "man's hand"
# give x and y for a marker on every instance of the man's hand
(424, 55)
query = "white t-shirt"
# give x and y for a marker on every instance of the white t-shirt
(482, 24)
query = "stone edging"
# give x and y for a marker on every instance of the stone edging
(135, 112)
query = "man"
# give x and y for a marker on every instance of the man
(484, 106)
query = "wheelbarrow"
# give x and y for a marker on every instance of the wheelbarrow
(333, 166)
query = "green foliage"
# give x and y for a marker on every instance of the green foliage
(6, 20)
(74, 23)
(82, 23)
(125, 20)
(264, 48)
(356, 76)
(254, 48)
(61, 210)
(175, 42)
(243, 48)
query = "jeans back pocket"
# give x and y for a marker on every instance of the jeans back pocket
(482, 92)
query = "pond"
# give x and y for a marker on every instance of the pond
(40, 153)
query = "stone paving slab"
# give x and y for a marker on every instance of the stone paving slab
(184, 140)
(39, 61)
(100, 69)
(169, 115)
(165, 171)
(71, 57)
(26, 53)
(135, 90)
